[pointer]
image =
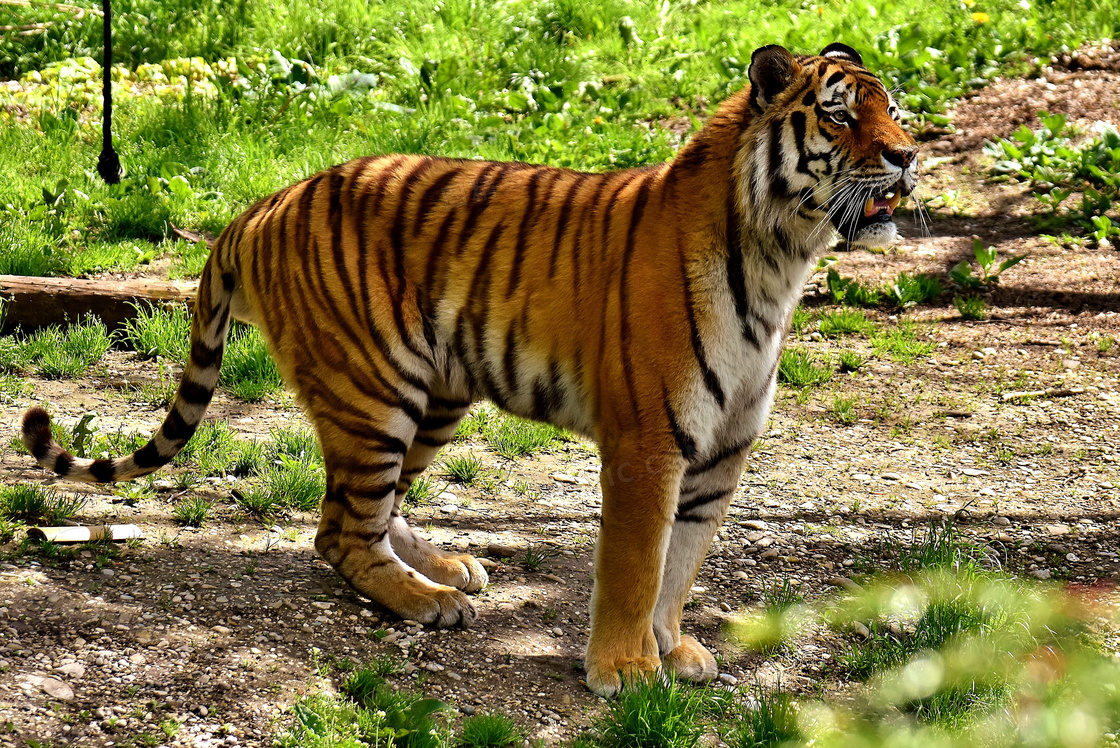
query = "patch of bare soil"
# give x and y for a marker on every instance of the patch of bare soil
(1084, 86)
(219, 629)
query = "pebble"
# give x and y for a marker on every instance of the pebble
(497, 550)
(1001, 521)
(770, 553)
(861, 630)
(1072, 557)
(223, 630)
(558, 631)
(753, 524)
(73, 670)
(741, 575)
(467, 709)
(1040, 573)
(728, 678)
(861, 476)
(434, 667)
(56, 689)
(1057, 529)
(725, 607)
(973, 472)
(843, 583)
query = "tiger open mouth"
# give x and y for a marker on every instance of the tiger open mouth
(880, 206)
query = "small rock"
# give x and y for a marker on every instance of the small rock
(753, 524)
(467, 709)
(728, 678)
(1040, 573)
(769, 553)
(741, 575)
(973, 472)
(223, 630)
(891, 476)
(201, 710)
(861, 477)
(487, 563)
(434, 667)
(843, 583)
(1072, 557)
(558, 631)
(764, 542)
(1001, 521)
(107, 572)
(496, 550)
(74, 670)
(725, 607)
(1058, 529)
(56, 689)
(861, 630)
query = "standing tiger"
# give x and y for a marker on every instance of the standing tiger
(644, 308)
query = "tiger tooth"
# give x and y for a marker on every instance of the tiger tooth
(869, 207)
(894, 200)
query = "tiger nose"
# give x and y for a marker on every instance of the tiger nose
(900, 156)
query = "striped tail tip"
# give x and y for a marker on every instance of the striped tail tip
(37, 438)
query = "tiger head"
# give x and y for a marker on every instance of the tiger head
(842, 157)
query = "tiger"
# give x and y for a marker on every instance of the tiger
(643, 308)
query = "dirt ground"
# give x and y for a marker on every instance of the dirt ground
(221, 628)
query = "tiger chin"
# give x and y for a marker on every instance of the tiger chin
(645, 309)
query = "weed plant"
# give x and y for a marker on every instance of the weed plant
(970, 307)
(513, 437)
(193, 511)
(463, 469)
(800, 369)
(911, 290)
(160, 332)
(844, 322)
(57, 353)
(488, 731)
(844, 409)
(900, 343)
(32, 503)
(850, 361)
(768, 718)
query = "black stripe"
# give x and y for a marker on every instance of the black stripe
(509, 359)
(833, 79)
(63, 464)
(176, 428)
(194, 393)
(624, 284)
(690, 519)
(479, 201)
(205, 357)
(778, 183)
(562, 222)
(724, 454)
(711, 380)
(703, 499)
(523, 232)
(685, 443)
(148, 456)
(736, 280)
(397, 242)
(431, 197)
(102, 471)
(429, 441)
(228, 281)
(334, 216)
(436, 423)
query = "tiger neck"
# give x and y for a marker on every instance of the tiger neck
(748, 240)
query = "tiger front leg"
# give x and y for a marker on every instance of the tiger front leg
(639, 493)
(705, 496)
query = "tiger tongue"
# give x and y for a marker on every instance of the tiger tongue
(876, 205)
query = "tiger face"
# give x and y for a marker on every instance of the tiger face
(851, 163)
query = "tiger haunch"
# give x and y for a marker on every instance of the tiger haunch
(643, 308)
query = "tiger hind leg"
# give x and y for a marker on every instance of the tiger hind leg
(460, 570)
(363, 468)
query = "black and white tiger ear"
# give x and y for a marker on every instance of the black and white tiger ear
(772, 70)
(842, 51)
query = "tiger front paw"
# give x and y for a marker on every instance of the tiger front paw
(691, 661)
(606, 676)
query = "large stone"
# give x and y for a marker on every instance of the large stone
(56, 689)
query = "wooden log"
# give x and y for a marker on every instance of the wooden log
(32, 303)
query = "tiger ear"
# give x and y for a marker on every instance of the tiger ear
(843, 51)
(772, 70)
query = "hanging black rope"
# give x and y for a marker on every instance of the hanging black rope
(108, 163)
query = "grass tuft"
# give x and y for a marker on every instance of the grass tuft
(160, 332)
(488, 731)
(31, 504)
(193, 511)
(463, 469)
(901, 343)
(844, 322)
(798, 368)
(971, 307)
(514, 437)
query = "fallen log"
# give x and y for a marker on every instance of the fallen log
(32, 303)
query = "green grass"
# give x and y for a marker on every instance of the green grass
(850, 361)
(463, 469)
(800, 369)
(248, 371)
(193, 511)
(488, 731)
(160, 331)
(844, 409)
(770, 721)
(421, 490)
(513, 437)
(900, 343)
(57, 353)
(654, 713)
(844, 322)
(32, 503)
